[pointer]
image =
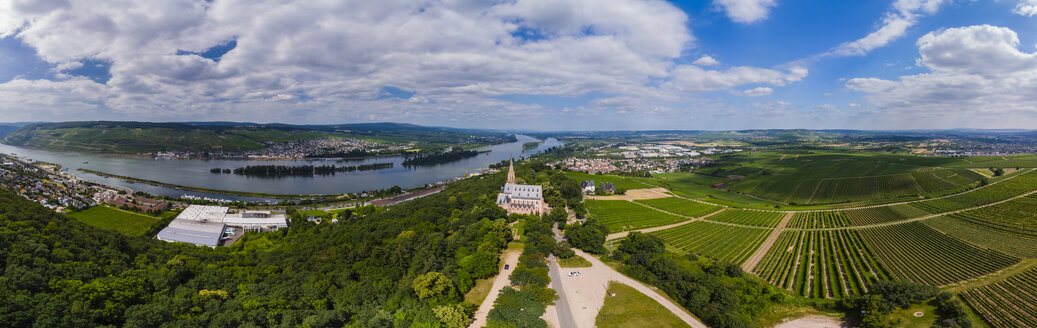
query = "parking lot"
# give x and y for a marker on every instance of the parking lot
(231, 238)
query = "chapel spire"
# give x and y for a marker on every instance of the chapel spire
(511, 171)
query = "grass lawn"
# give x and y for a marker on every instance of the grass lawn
(909, 320)
(574, 262)
(125, 222)
(618, 181)
(480, 291)
(630, 308)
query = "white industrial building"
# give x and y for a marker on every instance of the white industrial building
(204, 225)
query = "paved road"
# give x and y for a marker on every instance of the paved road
(510, 257)
(565, 313)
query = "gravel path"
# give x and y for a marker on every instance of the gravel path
(510, 257)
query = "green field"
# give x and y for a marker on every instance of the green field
(620, 182)
(832, 263)
(718, 241)
(1008, 303)
(914, 252)
(621, 215)
(128, 223)
(631, 308)
(759, 218)
(840, 178)
(681, 206)
(697, 186)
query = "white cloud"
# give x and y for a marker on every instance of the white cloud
(689, 78)
(978, 76)
(1026, 8)
(746, 11)
(706, 61)
(313, 61)
(894, 25)
(758, 92)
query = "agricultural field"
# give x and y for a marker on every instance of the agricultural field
(962, 227)
(621, 215)
(719, 241)
(125, 222)
(844, 178)
(1005, 189)
(758, 218)
(821, 264)
(876, 215)
(915, 252)
(698, 186)
(681, 206)
(620, 182)
(818, 220)
(1008, 303)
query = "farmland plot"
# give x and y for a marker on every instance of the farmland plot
(734, 244)
(681, 206)
(820, 219)
(621, 215)
(822, 264)
(749, 217)
(914, 252)
(1008, 303)
(962, 227)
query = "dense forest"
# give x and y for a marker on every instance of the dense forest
(406, 265)
(270, 171)
(440, 158)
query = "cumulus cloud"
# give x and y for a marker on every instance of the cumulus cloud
(758, 92)
(706, 61)
(320, 61)
(689, 78)
(977, 73)
(1026, 8)
(746, 11)
(904, 14)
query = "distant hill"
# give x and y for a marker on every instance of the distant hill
(8, 128)
(119, 137)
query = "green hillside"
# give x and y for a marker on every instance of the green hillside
(138, 137)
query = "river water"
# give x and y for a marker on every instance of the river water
(195, 173)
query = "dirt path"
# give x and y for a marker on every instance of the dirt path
(586, 293)
(755, 259)
(510, 257)
(635, 194)
(620, 235)
(812, 321)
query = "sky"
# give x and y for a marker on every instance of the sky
(525, 64)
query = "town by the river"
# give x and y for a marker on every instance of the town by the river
(195, 173)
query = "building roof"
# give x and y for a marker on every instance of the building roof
(588, 183)
(522, 191)
(244, 220)
(203, 213)
(194, 232)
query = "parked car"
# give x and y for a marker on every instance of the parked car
(506, 266)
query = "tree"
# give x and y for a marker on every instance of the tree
(563, 251)
(434, 287)
(588, 236)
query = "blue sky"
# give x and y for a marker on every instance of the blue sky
(526, 64)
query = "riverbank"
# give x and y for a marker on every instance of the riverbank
(199, 189)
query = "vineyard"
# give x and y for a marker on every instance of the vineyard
(855, 189)
(821, 219)
(1011, 187)
(832, 263)
(1010, 243)
(1009, 303)
(718, 241)
(914, 252)
(621, 215)
(681, 206)
(874, 215)
(749, 217)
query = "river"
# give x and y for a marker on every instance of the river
(195, 173)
